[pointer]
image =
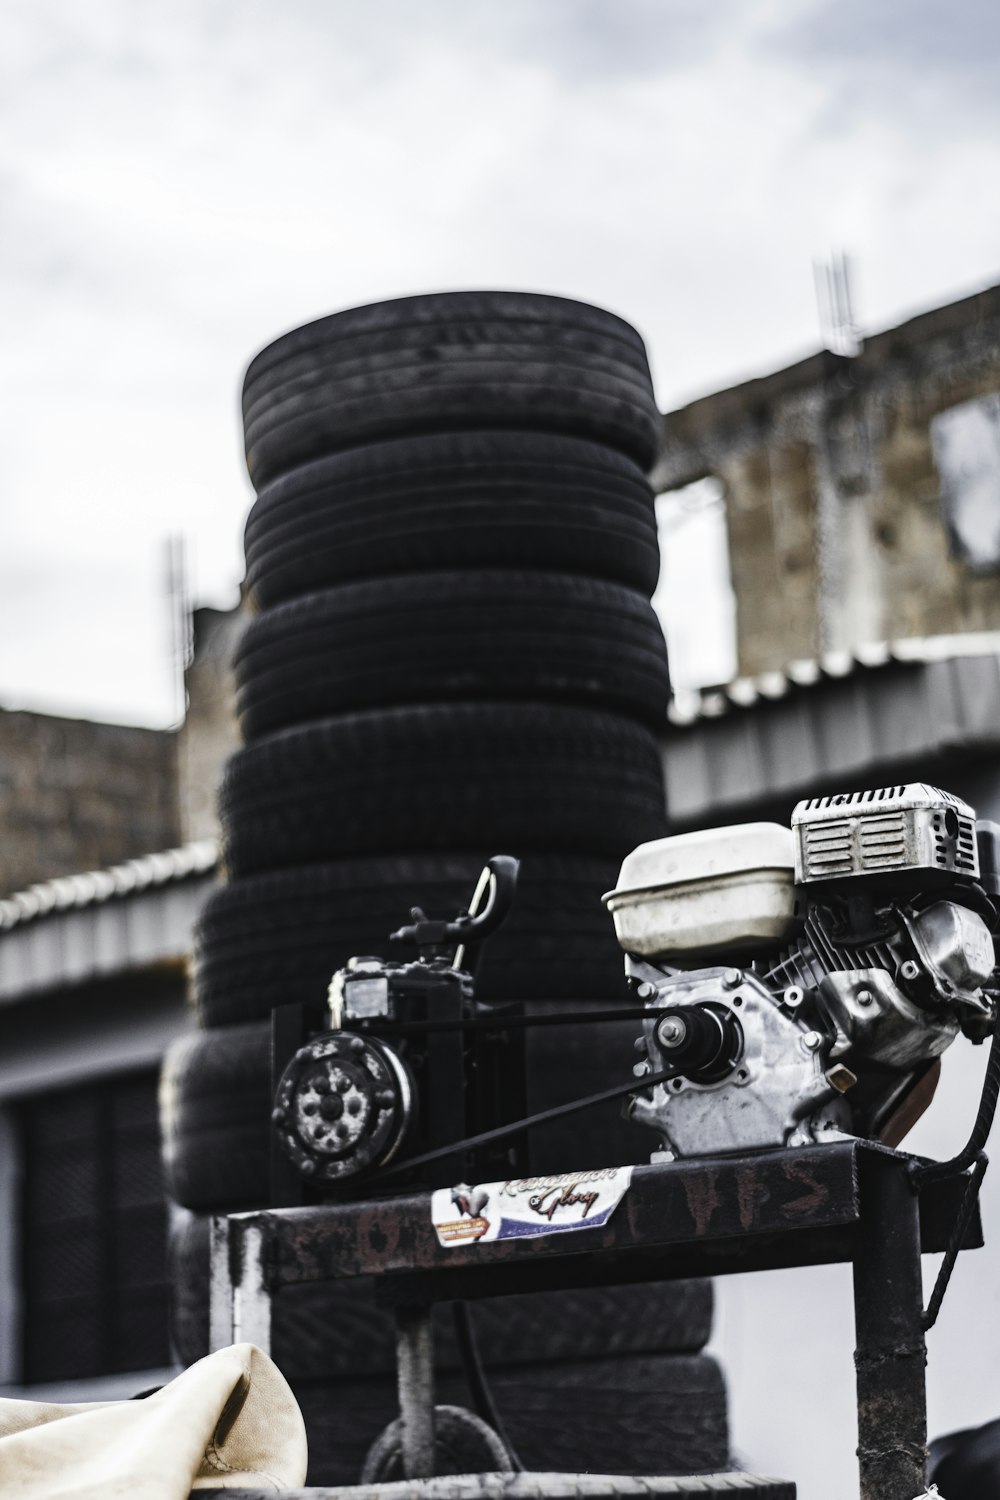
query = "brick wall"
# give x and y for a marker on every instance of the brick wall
(76, 795)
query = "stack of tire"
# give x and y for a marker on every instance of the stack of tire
(451, 556)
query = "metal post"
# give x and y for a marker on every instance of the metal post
(220, 1301)
(415, 1374)
(240, 1299)
(890, 1354)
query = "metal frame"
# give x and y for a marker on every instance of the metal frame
(850, 1201)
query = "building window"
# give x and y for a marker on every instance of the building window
(694, 597)
(93, 1231)
(966, 441)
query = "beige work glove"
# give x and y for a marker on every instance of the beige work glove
(230, 1420)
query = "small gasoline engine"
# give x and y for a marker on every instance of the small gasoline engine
(797, 985)
(803, 984)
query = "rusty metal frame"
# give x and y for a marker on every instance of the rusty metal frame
(852, 1201)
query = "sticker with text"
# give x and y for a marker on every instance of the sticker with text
(528, 1206)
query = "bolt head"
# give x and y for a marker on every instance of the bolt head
(307, 1168)
(279, 1116)
(640, 1070)
(813, 1040)
(865, 997)
(671, 1031)
(731, 978)
(646, 991)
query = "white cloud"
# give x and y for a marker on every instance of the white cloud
(181, 183)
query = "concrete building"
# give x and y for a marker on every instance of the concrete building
(860, 492)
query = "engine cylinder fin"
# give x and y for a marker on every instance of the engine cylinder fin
(817, 954)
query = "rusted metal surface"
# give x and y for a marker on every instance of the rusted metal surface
(680, 1219)
(890, 1356)
(537, 1487)
(722, 1202)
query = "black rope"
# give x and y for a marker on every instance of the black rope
(479, 1388)
(501, 1132)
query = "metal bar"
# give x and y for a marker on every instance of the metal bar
(713, 1203)
(890, 1355)
(415, 1381)
(941, 1203)
(821, 1247)
(727, 1486)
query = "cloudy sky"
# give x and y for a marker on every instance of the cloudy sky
(182, 180)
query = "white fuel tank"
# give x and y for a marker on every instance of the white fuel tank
(705, 895)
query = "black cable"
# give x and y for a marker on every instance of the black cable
(487, 1137)
(479, 1389)
(384, 1025)
(936, 1171)
(971, 1155)
(930, 1314)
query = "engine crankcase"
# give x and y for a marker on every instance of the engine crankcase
(777, 1092)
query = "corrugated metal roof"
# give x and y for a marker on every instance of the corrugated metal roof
(92, 888)
(839, 731)
(105, 923)
(744, 692)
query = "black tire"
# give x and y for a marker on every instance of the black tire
(518, 777)
(335, 1328)
(215, 1111)
(463, 1444)
(642, 1414)
(277, 937)
(434, 637)
(967, 1463)
(454, 500)
(444, 362)
(188, 1271)
(637, 1414)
